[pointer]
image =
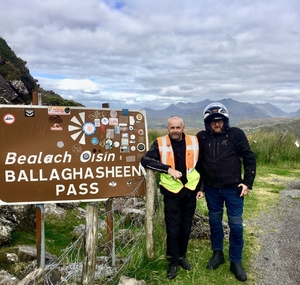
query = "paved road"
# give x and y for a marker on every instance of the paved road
(278, 262)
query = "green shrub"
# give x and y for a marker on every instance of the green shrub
(275, 148)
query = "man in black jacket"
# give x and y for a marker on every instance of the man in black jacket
(175, 156)
(223, 152)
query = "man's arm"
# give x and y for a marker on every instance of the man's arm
(151, 159)
(249, 161)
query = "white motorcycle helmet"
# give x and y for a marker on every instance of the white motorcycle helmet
(215, 111)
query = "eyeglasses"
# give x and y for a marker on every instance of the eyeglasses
(220, 122)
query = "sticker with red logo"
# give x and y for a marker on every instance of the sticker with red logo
(9, 119)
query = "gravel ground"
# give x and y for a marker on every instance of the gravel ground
(278, 262)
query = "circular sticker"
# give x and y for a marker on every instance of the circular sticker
(94, 140)
(47, 158)
(139, 117)
(77, 148)
(108, 144)
(89, 128)
(113, 113)
(140, 132)
(130, 128)
(141, 147)
(60, 144)
(116, 144)
(85, 156)
(104, 121)
(9, 119)
(132, 137)
(132, 148)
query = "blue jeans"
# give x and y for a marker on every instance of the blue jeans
(216, 198)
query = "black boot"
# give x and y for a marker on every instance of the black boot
(216, 260)
(184, 263)
(238, 271)
(172, 271)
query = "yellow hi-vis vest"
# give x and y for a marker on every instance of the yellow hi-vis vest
(167, 157)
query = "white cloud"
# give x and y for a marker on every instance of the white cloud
(142, 53)
(84, 85)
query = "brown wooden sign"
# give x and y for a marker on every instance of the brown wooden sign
(66, 154)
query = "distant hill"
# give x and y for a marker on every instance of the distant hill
(271, 110)
(192, 113)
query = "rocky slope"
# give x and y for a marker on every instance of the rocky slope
(17, 85)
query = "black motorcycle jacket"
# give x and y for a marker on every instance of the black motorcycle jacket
(222, 157)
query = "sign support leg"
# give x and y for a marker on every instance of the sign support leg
(91, 241)
(40, 235)
(110, 231)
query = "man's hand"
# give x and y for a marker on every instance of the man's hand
(200, 195)
(245, 190)
(174, 173)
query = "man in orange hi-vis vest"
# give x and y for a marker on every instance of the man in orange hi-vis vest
(175, 156)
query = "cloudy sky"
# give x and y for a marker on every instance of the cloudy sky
(140, 53)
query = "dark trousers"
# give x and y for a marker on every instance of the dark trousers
(179, 210)
(216, 198)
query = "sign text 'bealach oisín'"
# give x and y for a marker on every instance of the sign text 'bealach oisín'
(98, 171)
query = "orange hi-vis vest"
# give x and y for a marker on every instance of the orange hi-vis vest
(191, 157)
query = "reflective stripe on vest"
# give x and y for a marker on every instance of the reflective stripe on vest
(167, 154)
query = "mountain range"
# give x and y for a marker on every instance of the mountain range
(192, 113)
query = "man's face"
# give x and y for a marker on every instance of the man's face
(217, 126)
(175, 128)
